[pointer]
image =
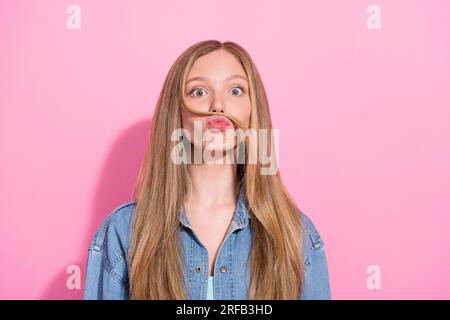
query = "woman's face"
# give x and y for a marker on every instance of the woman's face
(216, 83)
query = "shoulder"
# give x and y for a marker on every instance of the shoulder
(317, 282)
(113, 234)
(311, 236)
(106, 270)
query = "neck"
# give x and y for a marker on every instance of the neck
(213, 184)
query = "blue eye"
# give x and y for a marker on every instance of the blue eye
(237, 90)
(195, 90)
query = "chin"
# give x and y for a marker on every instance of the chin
(222, 149)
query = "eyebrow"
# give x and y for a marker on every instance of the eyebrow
(236, 76)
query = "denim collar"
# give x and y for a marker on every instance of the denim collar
(240, 216)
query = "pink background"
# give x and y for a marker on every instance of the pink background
(364, 119)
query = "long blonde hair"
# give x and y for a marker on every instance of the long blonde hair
(155, 255)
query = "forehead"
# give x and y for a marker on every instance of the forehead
(217, 64)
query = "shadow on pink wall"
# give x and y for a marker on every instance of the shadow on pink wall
(114, 187)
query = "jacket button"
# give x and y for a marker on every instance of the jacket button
(198, 268)
(223, 269)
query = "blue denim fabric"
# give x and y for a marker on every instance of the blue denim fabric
(107, 271)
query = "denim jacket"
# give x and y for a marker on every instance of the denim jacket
(107, 271)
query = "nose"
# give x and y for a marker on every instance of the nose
(217, 108)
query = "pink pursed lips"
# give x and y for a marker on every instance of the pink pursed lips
(218, 122)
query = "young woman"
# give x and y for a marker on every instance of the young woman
(203, 229)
